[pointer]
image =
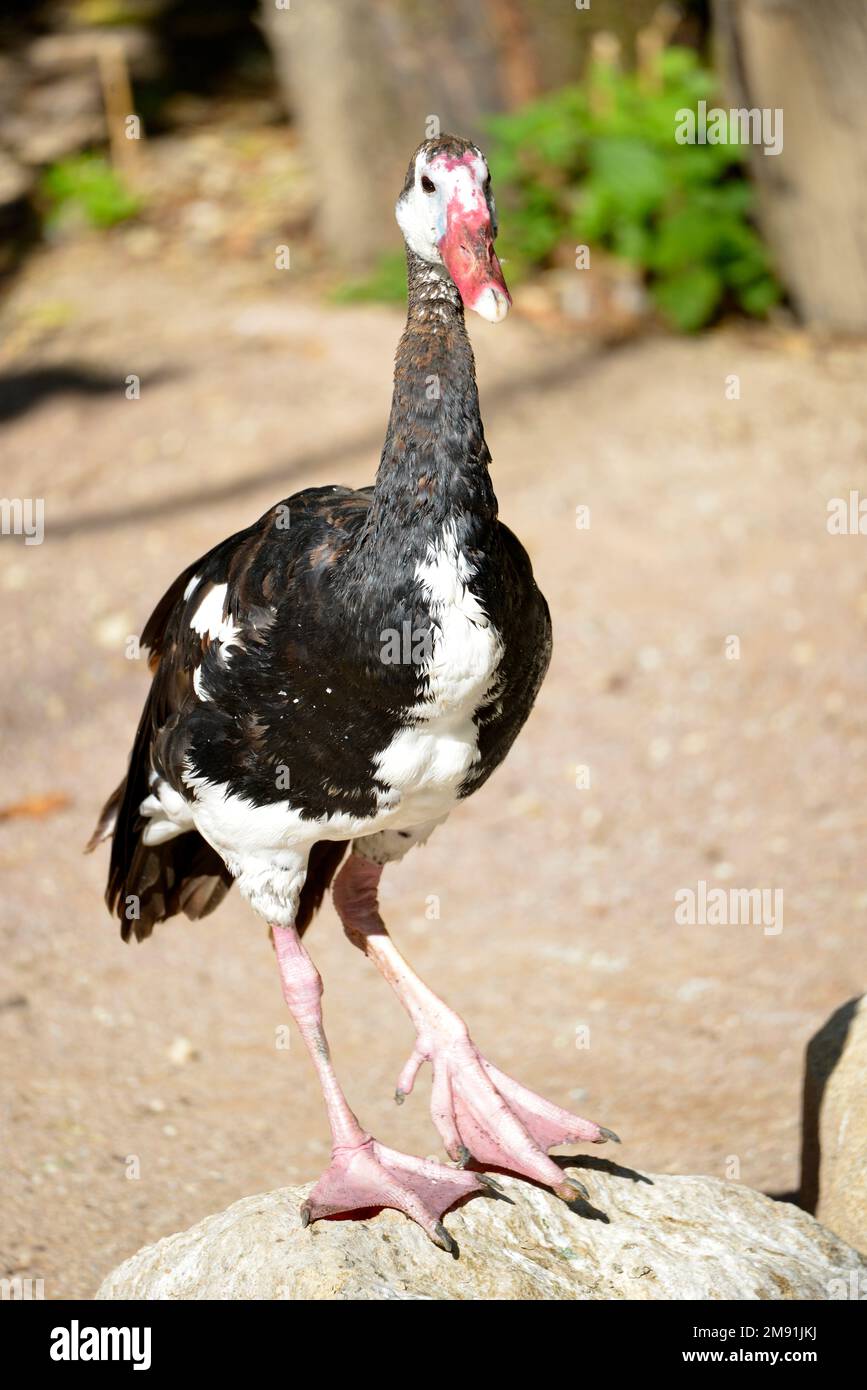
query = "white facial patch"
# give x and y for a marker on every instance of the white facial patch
(464, 182)
(422, 216)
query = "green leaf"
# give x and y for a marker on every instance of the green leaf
(595, 211)
(632, 242)
(688, 298)
(387, 281)
(88, 182)
(758, 298)
(688, 237)
(632, 170)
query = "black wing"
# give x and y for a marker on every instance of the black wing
(150, 883)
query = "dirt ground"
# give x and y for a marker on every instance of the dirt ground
(145, 1087)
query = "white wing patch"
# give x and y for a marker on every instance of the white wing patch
(167, 813)
(199, 684)
(420, 772)
(209, 619)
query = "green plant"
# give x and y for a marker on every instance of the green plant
(387, 281)
(599, 164)
(86, 183)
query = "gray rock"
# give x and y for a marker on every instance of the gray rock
(642, 1238)
(834, 1154)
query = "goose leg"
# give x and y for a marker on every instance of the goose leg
(362, 1172)
(479, 1111)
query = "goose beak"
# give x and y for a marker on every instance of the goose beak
(468, 254)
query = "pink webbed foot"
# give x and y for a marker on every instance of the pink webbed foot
(373, 1176)
(483, 1114)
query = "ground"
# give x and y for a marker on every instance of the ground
(708, 683)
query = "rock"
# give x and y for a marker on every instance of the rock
(642, 1238)
(834, 1154)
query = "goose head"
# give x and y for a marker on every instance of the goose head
(447, 215)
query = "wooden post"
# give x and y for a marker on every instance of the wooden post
(808, 60)
(118, 99)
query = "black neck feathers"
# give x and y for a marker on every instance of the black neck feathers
(433, 472)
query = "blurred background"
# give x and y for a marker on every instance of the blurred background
(200, 295)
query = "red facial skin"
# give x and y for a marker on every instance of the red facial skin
(467, 248)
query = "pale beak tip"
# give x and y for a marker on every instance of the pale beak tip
(492, 305)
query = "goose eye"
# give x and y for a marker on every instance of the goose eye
(427, 184)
